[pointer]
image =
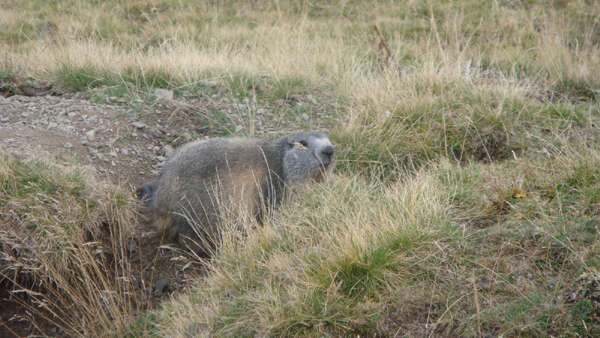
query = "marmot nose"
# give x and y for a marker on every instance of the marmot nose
(327, 153)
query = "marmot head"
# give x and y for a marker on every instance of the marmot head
(307, 155)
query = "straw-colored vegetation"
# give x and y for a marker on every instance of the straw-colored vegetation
(63, 240)
(467, 194)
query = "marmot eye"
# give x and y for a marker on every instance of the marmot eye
(304, 143)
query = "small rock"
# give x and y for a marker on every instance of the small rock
(139, 125)
(311, 99)
(116, 99)
(260, 111)
(163, 94)
(161, 158)
(305, 117)
(124, 152)
(210, 84)
(387, 114)
(91, 135)
(68, 145)
(68, 129)
(113, 153)
(168, 149)
(133, 135)
(238, 128)
(3, 119)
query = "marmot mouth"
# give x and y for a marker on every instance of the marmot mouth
(320, 173)
(327, 162)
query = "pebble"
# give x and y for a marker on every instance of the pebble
(68, 129)
(163, 94)
(91, 135)
(68, 145)
(139, 125)
(210, 84)
(168, 149)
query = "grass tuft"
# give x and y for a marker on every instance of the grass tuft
(64, 240)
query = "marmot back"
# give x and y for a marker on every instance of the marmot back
(205, 181)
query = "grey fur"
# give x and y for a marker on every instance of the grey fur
(204, 180)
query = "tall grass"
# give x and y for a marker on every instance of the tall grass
(317, 265)
(453, 250)
(66, 243)
(462, 80)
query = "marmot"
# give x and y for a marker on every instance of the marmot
(203, 181)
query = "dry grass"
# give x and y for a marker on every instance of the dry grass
(314, 266)
(450, 251)
(465, 201)
(466, 81)
(65, 243)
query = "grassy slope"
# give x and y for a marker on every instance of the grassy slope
(63, 240)
(524, 235)
(465, 200)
